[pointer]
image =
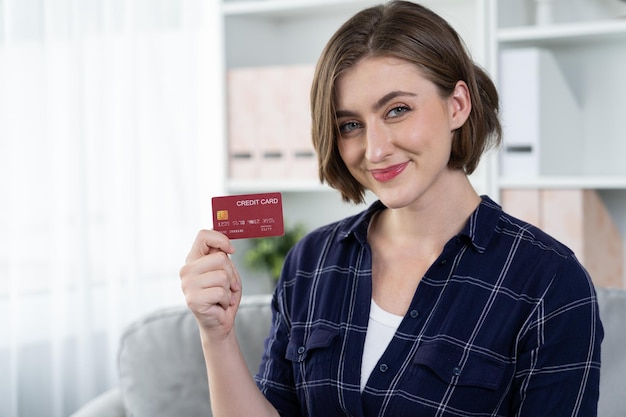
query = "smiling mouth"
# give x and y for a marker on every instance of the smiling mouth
(389, 173)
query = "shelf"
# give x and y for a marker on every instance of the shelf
(286, 8)
(566, 182)
(564, 33)
(262, 186)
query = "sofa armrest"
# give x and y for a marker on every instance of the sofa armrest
(612, 304)
(107, 404)
(161, 363)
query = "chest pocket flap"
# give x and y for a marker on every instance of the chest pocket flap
(303, 343)
(446, 361)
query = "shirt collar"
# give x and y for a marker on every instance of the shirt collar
(477, 231)
(356, 226)
(482, 224)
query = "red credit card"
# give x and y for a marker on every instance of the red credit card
(249, 215)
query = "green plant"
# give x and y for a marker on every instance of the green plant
(268, 253)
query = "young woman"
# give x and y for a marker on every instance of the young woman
(432, 301)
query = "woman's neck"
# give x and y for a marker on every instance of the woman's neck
(433, 220)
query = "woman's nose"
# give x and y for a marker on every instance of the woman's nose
(378, 144)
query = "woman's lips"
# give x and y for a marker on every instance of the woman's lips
(389, 173)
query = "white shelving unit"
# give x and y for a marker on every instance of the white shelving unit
(587, 39)
(588, 42)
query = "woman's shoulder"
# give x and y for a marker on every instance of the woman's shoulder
(534, 237)
(506, 227)
(538, 259)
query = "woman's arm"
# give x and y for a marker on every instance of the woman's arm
(212, 289)
(559, 356)
(232, 388)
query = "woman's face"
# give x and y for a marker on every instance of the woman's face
(396, 130)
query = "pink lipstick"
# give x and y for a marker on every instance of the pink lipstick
(389, 173)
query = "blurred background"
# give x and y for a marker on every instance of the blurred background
(103, 182)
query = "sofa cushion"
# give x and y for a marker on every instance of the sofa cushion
(161, 364)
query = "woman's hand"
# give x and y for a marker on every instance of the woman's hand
(211, 283)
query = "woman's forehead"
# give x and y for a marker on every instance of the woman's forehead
(375, 77)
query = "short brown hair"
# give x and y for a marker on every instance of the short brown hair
(414, 33)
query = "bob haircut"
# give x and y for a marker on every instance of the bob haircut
(411, 32)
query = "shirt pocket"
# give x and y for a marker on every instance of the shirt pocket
(314, 354)
(307, 345)
(446, 361)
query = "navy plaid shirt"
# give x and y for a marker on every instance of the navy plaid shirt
(504, 323)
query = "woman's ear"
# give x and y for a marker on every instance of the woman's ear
(460, 105)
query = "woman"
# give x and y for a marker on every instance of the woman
(431, 302)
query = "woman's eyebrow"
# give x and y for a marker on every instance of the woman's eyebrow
(345, 113)
(390, 96)
(379, 103)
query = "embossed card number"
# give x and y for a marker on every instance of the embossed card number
(249, 215)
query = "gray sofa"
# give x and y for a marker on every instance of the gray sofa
(162, 370)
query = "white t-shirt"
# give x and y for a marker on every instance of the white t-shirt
(380, 330)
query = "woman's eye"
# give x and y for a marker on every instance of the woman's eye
(348, 127)
(397, 111)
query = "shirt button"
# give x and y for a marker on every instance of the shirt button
(383, 368)
(301, 350)
(443, 262)
(414, 314)
(456, 371)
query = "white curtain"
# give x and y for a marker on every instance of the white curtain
(105, 118)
